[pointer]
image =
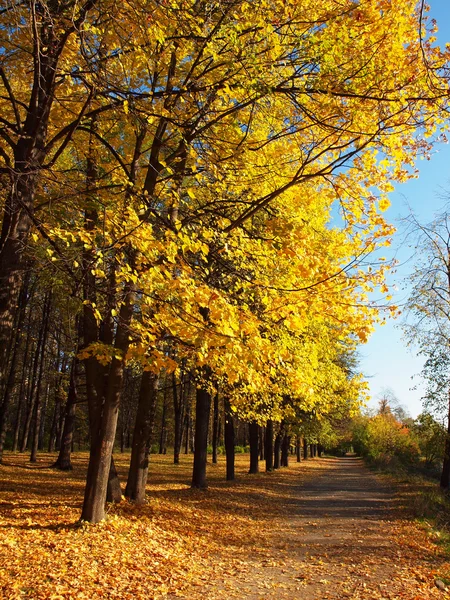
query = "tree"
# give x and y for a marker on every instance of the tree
(185, 172)
(428, 317)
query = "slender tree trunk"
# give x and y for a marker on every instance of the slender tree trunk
(253, 428)
(229, 440)
(298, 447)
(141, 444)
(163, 433)
(63, 462)
(277, 449)
(445, 474)
(305, 449)
(179, 401)
(4, 406)
(38, 403)
(262, 443)
(215, 436)
(269, 446)
(35, 379)
(202, 412)
(187, 427)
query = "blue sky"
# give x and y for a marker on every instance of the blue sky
(385, 359)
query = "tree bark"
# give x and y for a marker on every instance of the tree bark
(277, 449)
(178, 411)
(38, 403)
(4, 406)
(63, 462)
(202, 412)
(445, 474)
(163, 433)
(253, 430)
(33, 388)
(141, 444)
(298, 448)
(262, 443)
(285, 450)
(305, 449)
(229, 440)
(103, 436)
(269, 446)
(215, 435)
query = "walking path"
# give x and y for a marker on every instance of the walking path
(341, 538)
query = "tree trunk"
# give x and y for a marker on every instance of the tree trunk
(305, 449)
(113, 489)
(141, 444)
(103, 436)
(4, 406)
(163, 433)
(38, 403)
(63, 462)
(269, 446)
(215, 436)
(35, 379)
(43, 418)
(179, 402)
(202, 412)
(445, 474)
(285, 450)
(262, 444)
(298, 447)
(277, 449)
(229, 440)
(253, 430)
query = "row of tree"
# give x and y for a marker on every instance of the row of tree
(192, 194)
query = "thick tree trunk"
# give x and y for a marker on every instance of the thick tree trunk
(141, 444)
(113, 490)
(215, 435)
(202, 412)
(253, 428)
(102, 442)
(229, 440)
(285, 450)
(269, 446)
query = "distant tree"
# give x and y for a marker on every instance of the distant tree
(428, 318)
(431, 436)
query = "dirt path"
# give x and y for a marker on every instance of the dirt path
(341, 537)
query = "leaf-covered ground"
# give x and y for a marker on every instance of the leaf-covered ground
(322, 529)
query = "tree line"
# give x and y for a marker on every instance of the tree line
(192, 197)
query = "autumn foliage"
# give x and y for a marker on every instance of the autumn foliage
(192, 196)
